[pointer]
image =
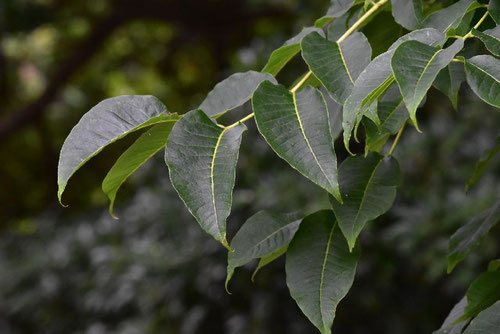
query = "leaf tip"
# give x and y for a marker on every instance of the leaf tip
(59, 197)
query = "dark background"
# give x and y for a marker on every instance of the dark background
(76, 270)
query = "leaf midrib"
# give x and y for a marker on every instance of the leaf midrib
(212, 181)
(321, 280)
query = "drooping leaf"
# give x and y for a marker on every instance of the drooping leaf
(147, 145)
(482, 293)
(408, 13)
(450, 324)
(490, 38)
(233, 92)
(449, 17)
(201, 158)
(296, 126)
(102, 125)
(449, 81)
(470, 235)
(376, 78)
(483, 164)
(281, 56)
(483, 76)
(319, 268)
(336, 65)
(415, 66)
(368, 190)
(265, 260)
(487, 322)
(260, 237)
(494, 10)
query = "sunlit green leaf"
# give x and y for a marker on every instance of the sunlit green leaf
(233, 92)
(319, 268)
(296, 126)
(482, 293)
(201, 158)
(483, 76)
(470, 235)
(147, 145)
(368, 191)
(490, 38)
(104, 124)
(262, 235)
(415, 66)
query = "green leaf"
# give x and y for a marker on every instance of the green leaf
(102, 125)
(450, 325)
(265, 260)
(319, 268)
(415, 66)
(482, 293)
(482, 165)
(470, 235)
(368, 190)
(376, 78)
(334, 113)
(262, 235)
(233, 92)
(494, 10)
(449, 17)
(336, 65)
(201, 158)
(147, 145)
(483, 76)
(490, 38)
(339, 7)
(393, 115)
(449, 81)
(407, 13)
(296, 126)
(487, 322)
(281, 56)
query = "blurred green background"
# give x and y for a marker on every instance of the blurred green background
(76, 270)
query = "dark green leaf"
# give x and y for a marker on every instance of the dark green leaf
(104, 124)
(265, 260)
(408, 13)
(482, 165)
(296, 126)
(487, 322)
(262, 235)
(233, 92)
(335, 114)
(450, 324)
(376, 79)
(368, 190)
(490, 38)
(482, 293)
(449, 17)
(147, 145)
(319, 268)
(339, 7)
(494, 10)
(281, 56)
(201, 158)
(483, 76)
(449, 81)
(336, 65)
(471, 234)
(415, 66)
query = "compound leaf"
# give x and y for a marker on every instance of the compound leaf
(201, 158)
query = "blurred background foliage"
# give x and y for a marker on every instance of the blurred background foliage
(77, 270)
